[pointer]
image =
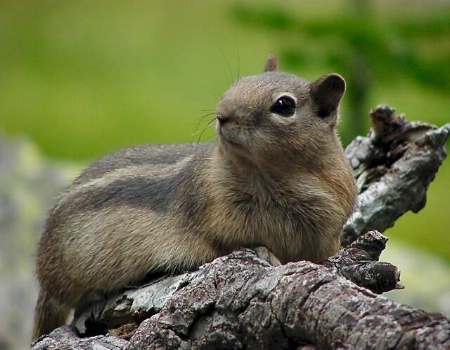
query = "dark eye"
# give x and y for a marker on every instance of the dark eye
(284, 106)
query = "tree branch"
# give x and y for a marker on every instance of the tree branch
(359, 263)
(394, 166)
(240, 301)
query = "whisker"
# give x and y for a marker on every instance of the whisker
(203, 130)
(230, 70)
(237, 57)
(239, 61)
(200, 120)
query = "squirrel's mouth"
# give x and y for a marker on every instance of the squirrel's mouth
(226, 137)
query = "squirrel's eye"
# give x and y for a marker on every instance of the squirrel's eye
(284, 106)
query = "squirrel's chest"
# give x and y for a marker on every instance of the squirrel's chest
(285, 225)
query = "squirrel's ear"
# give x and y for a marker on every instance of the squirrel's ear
(271, 63)
(326, 93)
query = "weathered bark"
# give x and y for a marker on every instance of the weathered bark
(66, 338)
(394, 166)
(240, 301)
(359, 263)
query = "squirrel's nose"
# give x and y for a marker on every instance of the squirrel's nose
(222, 119)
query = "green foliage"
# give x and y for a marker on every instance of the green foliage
(362, 46)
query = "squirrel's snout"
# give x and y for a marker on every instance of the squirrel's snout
(225, 111)
(222, 119)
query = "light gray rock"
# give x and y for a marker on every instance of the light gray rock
(29, 185)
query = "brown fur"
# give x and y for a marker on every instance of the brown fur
(270, 180)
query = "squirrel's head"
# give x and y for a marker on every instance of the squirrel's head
(276, 114)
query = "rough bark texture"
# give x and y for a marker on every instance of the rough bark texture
(241, 302)
(359, 263)
(394, 166)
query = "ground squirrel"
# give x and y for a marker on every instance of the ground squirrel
(276, 177)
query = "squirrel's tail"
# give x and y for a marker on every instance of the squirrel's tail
(48, 315)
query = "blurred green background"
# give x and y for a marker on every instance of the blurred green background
(82, 78)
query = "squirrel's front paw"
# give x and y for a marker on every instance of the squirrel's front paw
(265, 254)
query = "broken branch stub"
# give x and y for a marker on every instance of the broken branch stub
(394, 166)
(359, 263)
